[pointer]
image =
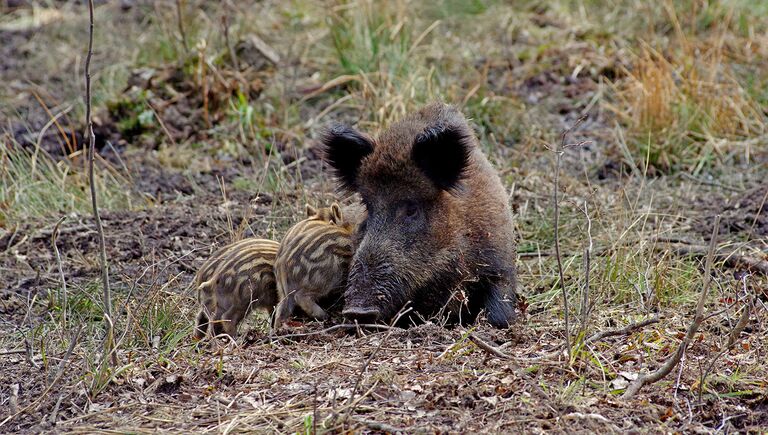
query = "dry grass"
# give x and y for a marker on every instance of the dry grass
(684, 98)
(213, 149)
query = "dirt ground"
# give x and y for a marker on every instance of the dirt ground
(196, 153)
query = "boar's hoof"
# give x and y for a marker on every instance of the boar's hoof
(361, 315)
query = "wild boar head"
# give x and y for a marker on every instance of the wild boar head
(410, 180)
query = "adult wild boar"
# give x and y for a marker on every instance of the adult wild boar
(439, 233)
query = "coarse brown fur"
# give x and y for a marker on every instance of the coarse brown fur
(439, 233)
(313, 262)
(236, 279)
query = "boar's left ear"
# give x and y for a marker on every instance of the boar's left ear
(344, 149)
(442, 153)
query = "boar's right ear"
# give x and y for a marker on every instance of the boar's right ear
(442, 153)
(344, 149)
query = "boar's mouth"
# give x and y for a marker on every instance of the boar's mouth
(373, 293)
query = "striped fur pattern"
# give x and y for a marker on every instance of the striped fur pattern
(313, 262)
(236, 279)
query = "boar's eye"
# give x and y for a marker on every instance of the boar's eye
(410, 214)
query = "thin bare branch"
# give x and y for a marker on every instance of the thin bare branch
(621, 331)
(585, 305)
(482, 344)
(109, 340)
(733, 337)
(558, 154)
(731, 259)
(668, 366)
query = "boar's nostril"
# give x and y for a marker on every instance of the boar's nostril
(361, 315)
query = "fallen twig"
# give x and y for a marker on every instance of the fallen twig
(375, 425)
(621, 331)
(487, 347)
(733, 337)
(731, 259)
(665, 369)
(355, 326)
(14, 399)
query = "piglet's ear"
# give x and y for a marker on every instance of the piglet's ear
(344, 149)
(442, 153)
(311, 211)
(336, 213)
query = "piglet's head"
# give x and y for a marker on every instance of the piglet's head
(409, 179)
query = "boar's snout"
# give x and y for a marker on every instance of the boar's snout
(371, 293)
(362, 315)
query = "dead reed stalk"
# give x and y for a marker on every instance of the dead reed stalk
(109, 340)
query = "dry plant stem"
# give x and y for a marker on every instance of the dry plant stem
(585, 291)
(63, 295)
(741, 324)
(14, 399)
(180, 21)
(623, 331)
(558, 154)
(668, 366)
(203, 82)
(585, 307)
(230, 47)
(733, 336)
(109, 340)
